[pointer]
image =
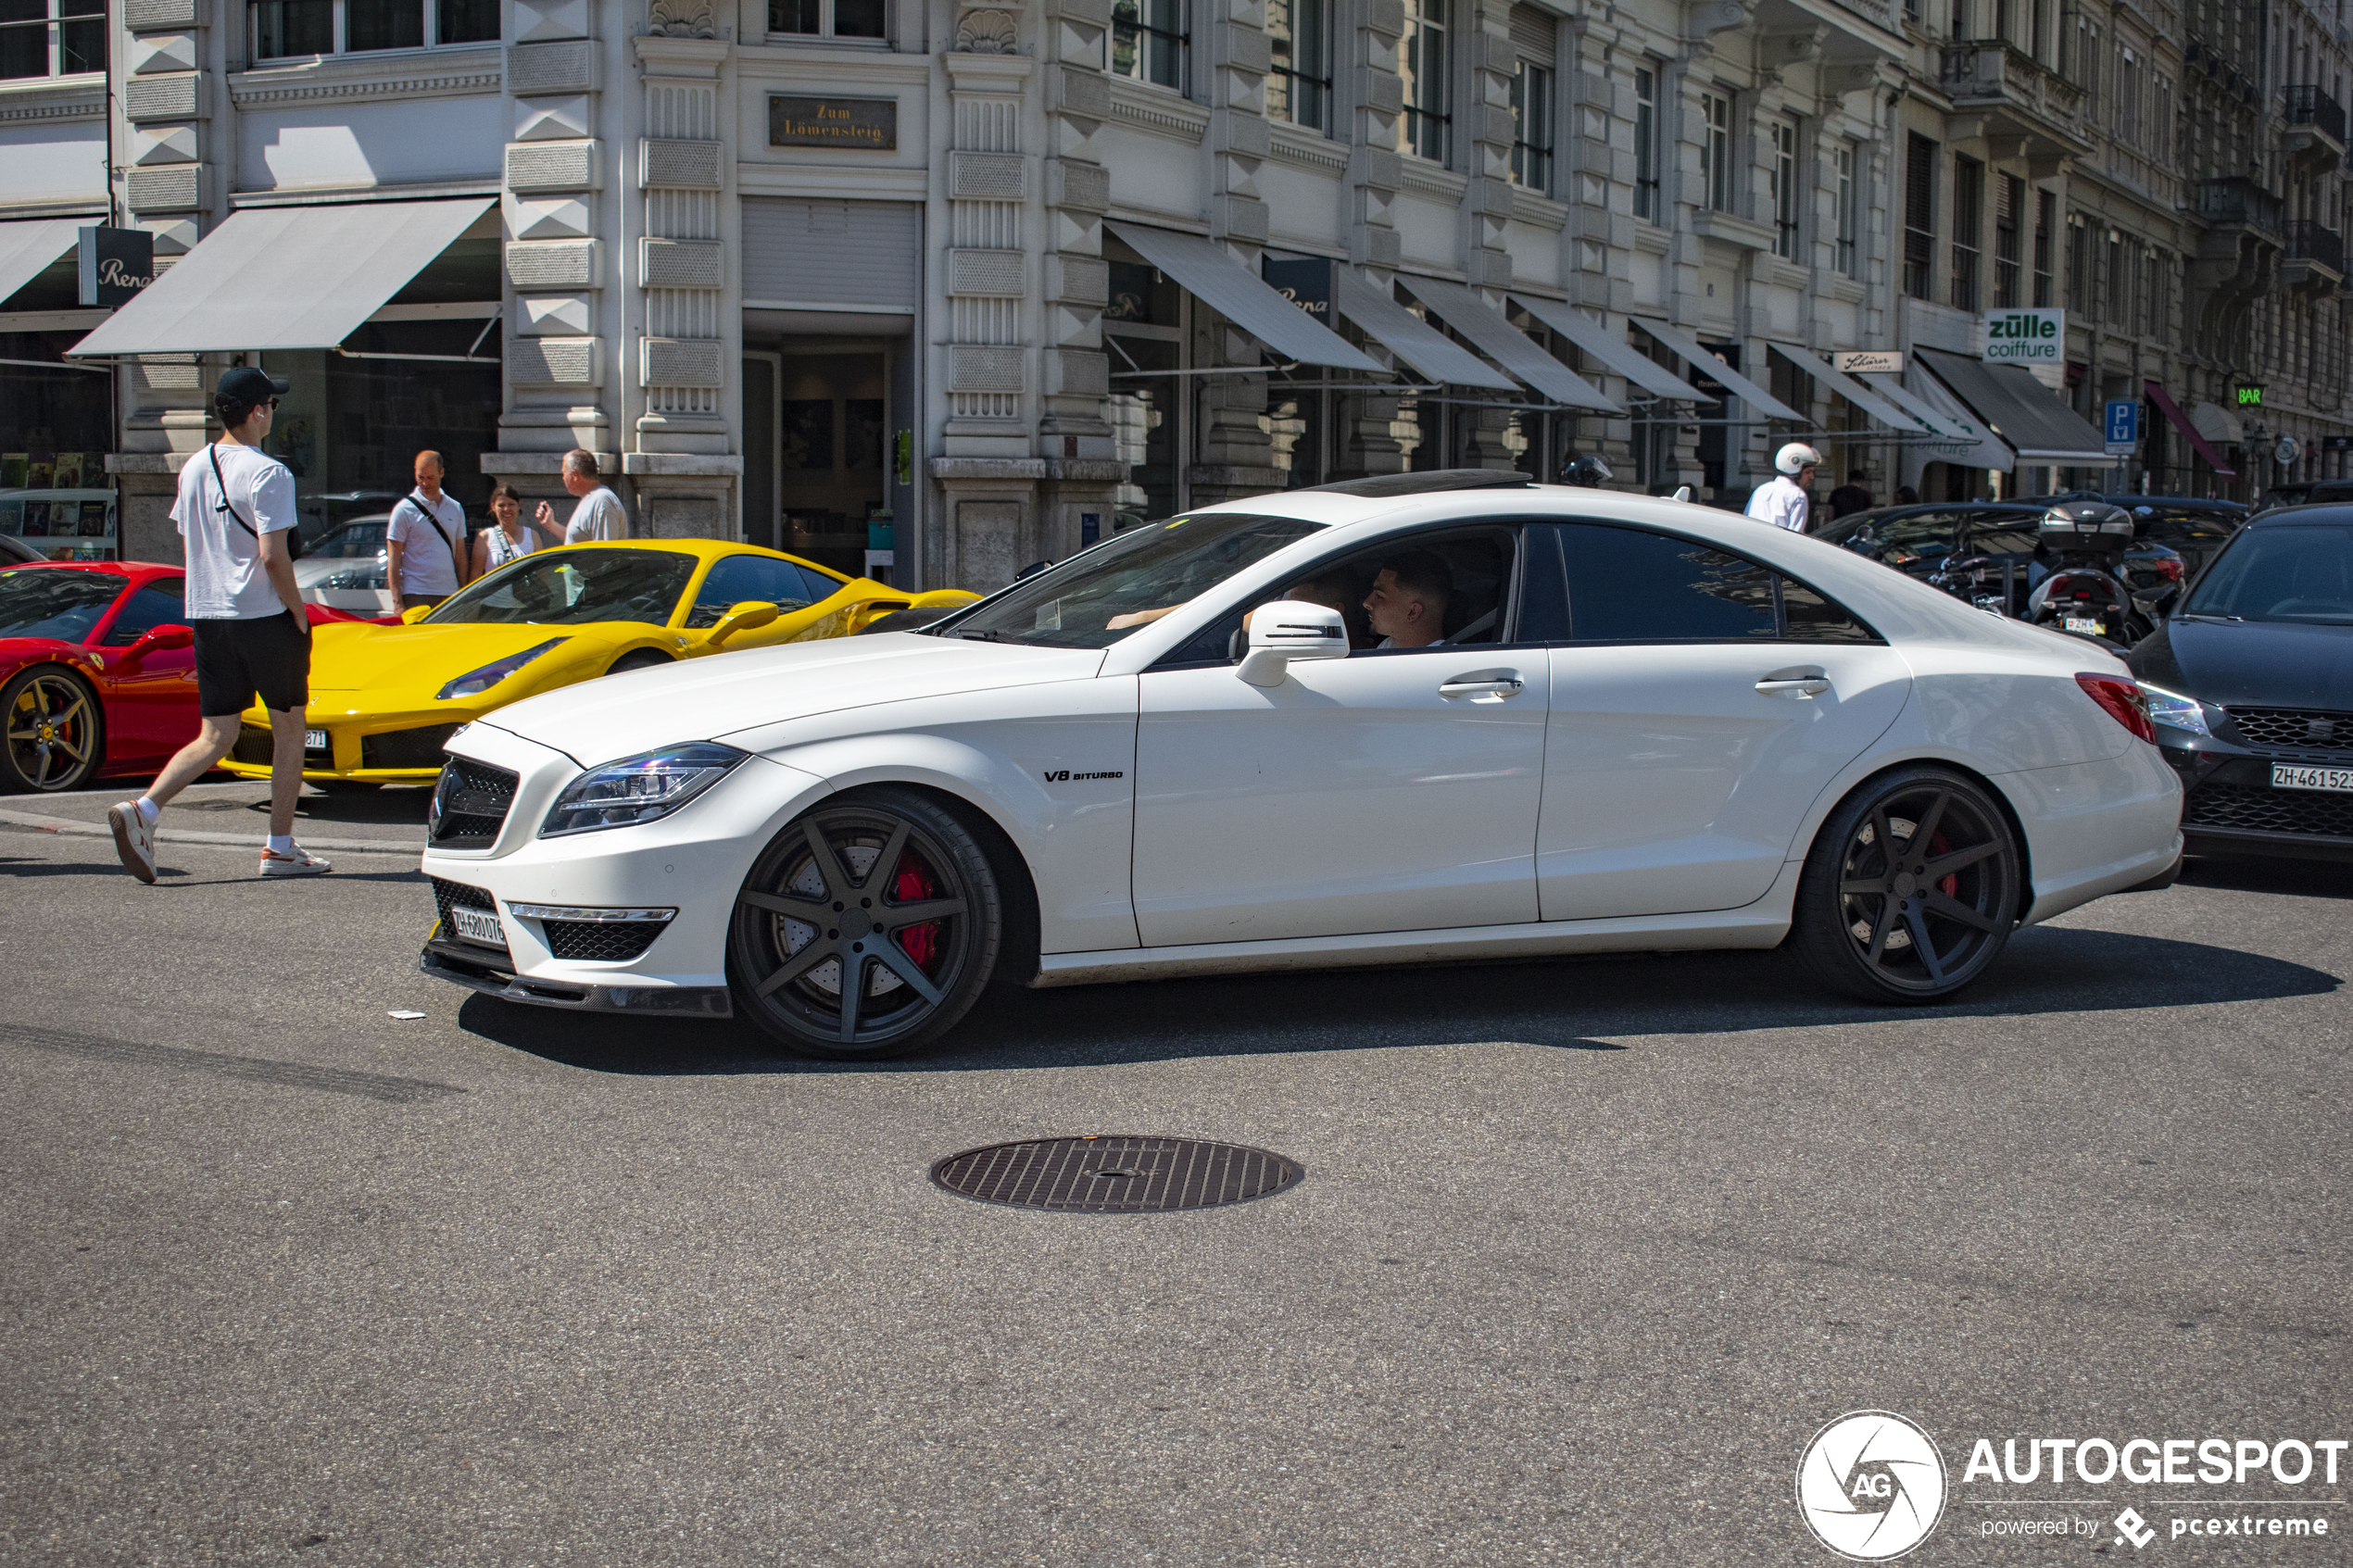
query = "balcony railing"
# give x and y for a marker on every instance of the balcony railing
(2308, 241)
(1989, 68)
(2310, 106)
(2238, 200)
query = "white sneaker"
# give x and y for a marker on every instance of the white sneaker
(133, 840)
(300, 863)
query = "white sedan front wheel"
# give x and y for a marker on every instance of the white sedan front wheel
(868, 928)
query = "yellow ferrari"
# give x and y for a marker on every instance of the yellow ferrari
(383, 699)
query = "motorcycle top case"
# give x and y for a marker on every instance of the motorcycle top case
(2091, 535)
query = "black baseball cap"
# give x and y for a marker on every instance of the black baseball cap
(243, 383)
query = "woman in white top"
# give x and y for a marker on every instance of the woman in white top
(513, 538)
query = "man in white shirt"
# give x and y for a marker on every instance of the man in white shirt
(599, 514)
(252, 635)
(1786, 502)
(425, 542)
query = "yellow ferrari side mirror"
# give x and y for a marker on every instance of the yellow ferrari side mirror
(748, 616)
(415, 614)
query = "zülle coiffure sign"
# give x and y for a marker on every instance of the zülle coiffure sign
(2025, 336)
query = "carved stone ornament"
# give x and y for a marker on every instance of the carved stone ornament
(985, 33)
(681, 19)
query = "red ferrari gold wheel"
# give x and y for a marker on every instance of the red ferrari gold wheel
(55, 732)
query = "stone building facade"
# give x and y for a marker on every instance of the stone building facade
(939, 289)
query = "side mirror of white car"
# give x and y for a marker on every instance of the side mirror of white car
(1288, 630)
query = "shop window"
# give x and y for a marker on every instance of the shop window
(1421, 60)
(1299, 88)
(829, 18)
(1716, 149)
(1646, 143)
(52, 37)
(55, 430)
(290, 29)
(1148, 40)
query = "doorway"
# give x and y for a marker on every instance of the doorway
(829, 441)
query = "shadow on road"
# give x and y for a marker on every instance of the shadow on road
(2312, 878)
(1558, 1003)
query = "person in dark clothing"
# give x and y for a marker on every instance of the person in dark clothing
(1851, 496)
(1906, 496)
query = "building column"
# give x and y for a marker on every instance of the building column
(559, 258)
(163, 51)
(1082, 465)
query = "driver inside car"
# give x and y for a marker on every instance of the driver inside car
(1407, 606)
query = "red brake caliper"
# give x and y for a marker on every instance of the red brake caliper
(913, 886)
(1951, 886)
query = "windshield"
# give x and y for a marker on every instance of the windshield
(1094, 599)
(45, 602)
(2280, 574)
(568, 587)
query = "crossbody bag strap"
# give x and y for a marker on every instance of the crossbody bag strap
(226, 505)
(434, 521)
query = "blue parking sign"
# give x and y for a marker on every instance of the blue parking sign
(2123, 423)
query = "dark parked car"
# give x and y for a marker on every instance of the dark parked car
(2312, 494)
(16, 552)
(1977, 550)
(2250, 686)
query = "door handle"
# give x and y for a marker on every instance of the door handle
(1794, 685)
(1484, 685)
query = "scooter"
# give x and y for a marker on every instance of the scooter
(2082, 544)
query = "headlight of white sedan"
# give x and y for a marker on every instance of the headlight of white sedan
(638, 789)
(2172, 707)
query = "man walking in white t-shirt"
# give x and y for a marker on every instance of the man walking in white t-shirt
(599, 514)
(425, 544)
(253, 637)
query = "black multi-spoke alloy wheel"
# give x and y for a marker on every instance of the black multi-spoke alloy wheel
(56, 734)
(1911, 890)
(868, 928)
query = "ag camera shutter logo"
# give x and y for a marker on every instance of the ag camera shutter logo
(1871, 1485)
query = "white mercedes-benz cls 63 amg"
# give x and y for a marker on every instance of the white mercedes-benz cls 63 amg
(1411, 719)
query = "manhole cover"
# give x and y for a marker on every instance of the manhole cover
(1115, 1175)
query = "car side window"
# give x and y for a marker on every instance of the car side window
(1902, 541)
(1449, 588)
(160, 602)
(735, 579)
(820, 586)
(2003, 539)
(1631, 585)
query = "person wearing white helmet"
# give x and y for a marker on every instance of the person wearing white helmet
(1785, 503)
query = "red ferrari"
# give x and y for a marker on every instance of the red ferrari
(97, 670)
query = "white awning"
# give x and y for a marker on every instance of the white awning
(1421, 345)
(1612, 350)
(1855, 391)
(1496, 336)
(27, 249)
(1951, 426)
(1226, 286)
(1700, 357)
(285, 277)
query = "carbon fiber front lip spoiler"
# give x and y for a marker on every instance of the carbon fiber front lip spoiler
(673, 1001)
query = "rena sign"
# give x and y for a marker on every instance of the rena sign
(2025, 337)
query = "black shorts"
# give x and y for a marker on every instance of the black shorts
(236, 660)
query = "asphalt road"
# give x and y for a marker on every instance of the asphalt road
(1585, 1253)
